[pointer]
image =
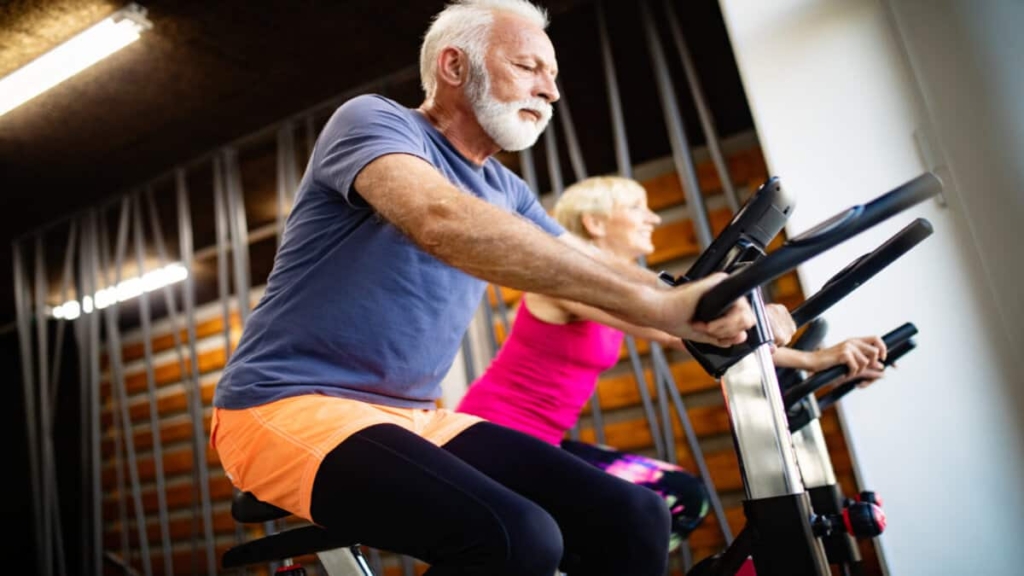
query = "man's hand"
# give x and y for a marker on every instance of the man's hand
(727, 330)
(783, 326)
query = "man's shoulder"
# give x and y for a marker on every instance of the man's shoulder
(368, 103)
(371, 114)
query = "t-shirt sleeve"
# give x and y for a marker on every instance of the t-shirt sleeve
(360, 131)
(527, 205)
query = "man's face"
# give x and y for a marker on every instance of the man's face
(512, 94)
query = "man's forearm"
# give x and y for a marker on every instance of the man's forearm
(511, 251)
(494, 245)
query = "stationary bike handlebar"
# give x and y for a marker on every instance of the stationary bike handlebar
(836, 394)
(795, 393)
(813, 242)
(861, 270)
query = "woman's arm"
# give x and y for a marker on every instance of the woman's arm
(862, 356)
(575, 311)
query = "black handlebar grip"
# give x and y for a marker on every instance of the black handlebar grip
(837, 393)
(820, 379)
(862, 270)
(813, 242)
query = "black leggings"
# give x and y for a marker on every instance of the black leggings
(491, 502)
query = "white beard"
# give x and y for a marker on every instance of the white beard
(500, 120)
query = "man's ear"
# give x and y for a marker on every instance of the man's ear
(594, 225)
(452, 66)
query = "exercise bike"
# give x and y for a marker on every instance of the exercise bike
(783, 533)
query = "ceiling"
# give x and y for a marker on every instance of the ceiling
(205, 74)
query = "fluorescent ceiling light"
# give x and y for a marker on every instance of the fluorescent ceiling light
(94, 44)
(125, 290)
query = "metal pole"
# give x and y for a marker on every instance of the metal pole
(195, 397)
(528, 169)
(238, 230)
(67, 272)
(23, 313)
(115, 377)
(41, 289)
(554, 164)
(707, 120)
(93, 337)
(286, 174)
(80, 327)
(645, 397)
(221, 225)
(573, 144)
(55, 368)
(151, 392)
(661, 364)
(118, 383)
(676, 132)
(625, 169)
(615, 103)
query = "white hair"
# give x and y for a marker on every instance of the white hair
(466, 25)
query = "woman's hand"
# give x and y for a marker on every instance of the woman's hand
(862, 356)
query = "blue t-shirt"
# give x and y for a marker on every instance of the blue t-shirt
(353, 308)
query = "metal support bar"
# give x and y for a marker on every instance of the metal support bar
(239, 231)
(554, 164)
(151, 392)
(67, 272)
(707, 119)
(614, 101)
(221, 225)
(118, 384)
(681, 155)
(528, 170)
(195, 399)
(80, 328)
(760, 430)
(287, 175)
(661, 365)
(572, 143)
(45, 442)
(93, 395)
(645, 397)
(23, 312)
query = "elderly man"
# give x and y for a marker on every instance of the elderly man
(328, 406)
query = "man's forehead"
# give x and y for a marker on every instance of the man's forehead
(518, 36)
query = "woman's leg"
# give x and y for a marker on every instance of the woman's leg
(685, 494)
(610, 527)
(393, 490)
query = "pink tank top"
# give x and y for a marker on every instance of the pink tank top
(543, 375)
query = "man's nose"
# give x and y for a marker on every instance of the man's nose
(547, 88)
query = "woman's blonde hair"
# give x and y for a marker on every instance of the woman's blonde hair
(595, 195)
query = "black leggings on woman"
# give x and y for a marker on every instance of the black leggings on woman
(491, 502)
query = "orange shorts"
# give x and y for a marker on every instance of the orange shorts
(275, 450)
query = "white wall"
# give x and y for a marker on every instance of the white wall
(838, 90)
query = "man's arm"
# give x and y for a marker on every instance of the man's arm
(629, 269)
(494, 245)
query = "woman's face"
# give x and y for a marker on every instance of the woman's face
(629, 226)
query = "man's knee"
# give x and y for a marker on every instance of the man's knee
(534, 543)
